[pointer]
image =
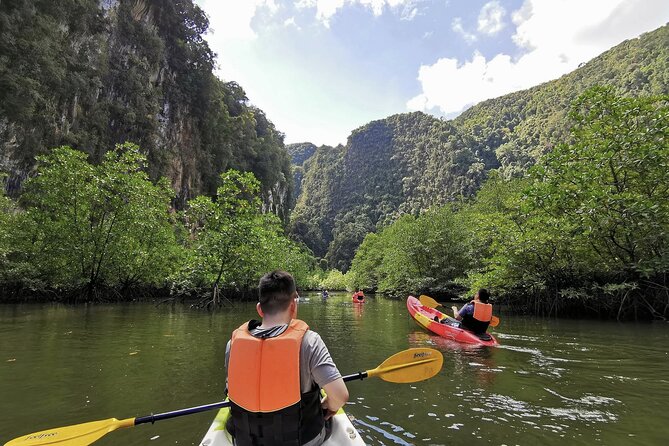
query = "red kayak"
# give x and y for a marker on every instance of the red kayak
(425, 317)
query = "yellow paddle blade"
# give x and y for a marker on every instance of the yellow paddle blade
(77, 435)
(408, 366)
(428, 301)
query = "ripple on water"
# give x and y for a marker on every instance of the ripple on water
(589, 408)
(517, 337)
(587, 400)
(396, 439)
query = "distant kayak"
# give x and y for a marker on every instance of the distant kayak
(358, 297)
(425, 316)
(343, 432)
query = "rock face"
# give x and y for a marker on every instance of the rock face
(91, 74)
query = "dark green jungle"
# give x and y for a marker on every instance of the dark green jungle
(129, 170)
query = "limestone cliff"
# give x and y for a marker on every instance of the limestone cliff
(94, 73)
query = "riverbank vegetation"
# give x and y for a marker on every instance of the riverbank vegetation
(586, 232)
(86, 232)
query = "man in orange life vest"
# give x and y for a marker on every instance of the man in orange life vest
(476, 315)
(276, 368)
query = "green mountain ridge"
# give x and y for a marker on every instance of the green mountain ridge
(408, 163)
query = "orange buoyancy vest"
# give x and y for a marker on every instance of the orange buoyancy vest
(264, 374)
(482, 312)
(479, 321)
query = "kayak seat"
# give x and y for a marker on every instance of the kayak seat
(484, 336)
(328, 429)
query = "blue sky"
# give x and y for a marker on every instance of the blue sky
(321, 68)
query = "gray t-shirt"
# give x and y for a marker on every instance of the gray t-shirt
(316, 364)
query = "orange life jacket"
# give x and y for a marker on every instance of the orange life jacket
(480, 320)
(482, 312)
(256, 366)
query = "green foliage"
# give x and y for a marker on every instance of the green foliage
(520, 128)
(234, 242)
(588, 227)
(428, 252)
(87, 230)
(301, 152)
(7, 221)
(403, 164)
(611, 183)
(88, 226)
(592, 218)
(333, 280)
(406, 164)
(74, 73)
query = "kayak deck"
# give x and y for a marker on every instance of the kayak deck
(425, 317)
(343, 431)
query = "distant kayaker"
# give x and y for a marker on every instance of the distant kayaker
(476, 315)
(325, 294)
(280, 403)
(358, 296)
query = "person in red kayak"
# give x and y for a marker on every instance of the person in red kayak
(275, 370)
(477, 314)
(359, 296)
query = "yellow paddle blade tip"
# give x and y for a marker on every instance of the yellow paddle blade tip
(428, 301)
(76, 435)
(411, 365)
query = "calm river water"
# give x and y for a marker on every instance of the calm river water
(550, 382)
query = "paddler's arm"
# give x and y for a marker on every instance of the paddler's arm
(336, 397)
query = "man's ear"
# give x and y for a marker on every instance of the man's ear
(259, 310)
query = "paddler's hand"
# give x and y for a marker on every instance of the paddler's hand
(327, 412)
(336, 395)
(455, 311)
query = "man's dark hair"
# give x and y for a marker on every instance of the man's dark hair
(484, 295)
(275, 290)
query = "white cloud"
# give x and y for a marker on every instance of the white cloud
(326, 9)
(409, 13)
(556, 36)
(456, 26)
(290, 22)
(491, 18)
(232, 21)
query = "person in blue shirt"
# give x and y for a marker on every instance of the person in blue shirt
(476, 315)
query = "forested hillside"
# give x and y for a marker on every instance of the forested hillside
(517, 129)
(93, 73)
(299, 153)
(408, 163)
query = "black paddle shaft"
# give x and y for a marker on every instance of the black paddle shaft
(354, 376)
(177, 413)
(181, 412)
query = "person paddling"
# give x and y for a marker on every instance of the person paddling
(476, 315)
(275, 370)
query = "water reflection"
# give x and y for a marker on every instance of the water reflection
(551, 382)
(358, 309)
(468, 360)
